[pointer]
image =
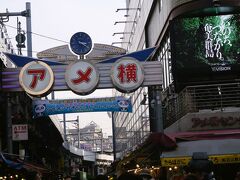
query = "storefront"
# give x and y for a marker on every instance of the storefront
(222, 148)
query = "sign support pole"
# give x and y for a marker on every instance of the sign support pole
(113, 135)
(64, 128)
(9, 125)
(29, 29)
(158, 110)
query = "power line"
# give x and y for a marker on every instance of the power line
(40, 36)
(48, 37)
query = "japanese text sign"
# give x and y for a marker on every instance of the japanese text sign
(36, 78)
(127, 74)
(82, 77)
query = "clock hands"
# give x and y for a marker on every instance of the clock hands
(83, 43)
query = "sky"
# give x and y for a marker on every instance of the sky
(53, 24)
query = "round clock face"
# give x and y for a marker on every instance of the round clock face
(81, 43)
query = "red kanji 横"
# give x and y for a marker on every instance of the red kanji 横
(38, 74)
(83, 76)
(127, 73)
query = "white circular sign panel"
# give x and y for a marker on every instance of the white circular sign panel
(82, 77)
(36, 78)
(127, 74)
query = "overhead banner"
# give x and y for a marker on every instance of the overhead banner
(51, 107)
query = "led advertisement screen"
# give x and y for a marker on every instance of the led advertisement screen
(205, 49)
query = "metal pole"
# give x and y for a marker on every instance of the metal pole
(64, 128)
(9, 125)
(114, 138)
(101, 141)
(53, 95)
(158, 110)
(29, 29)
(78, 132)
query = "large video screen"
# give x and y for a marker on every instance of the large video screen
(205, 49)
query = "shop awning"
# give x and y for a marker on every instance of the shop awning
(30, 166)
(222, 146)
(10, 163)
(19, 164)
(159, 140)
(201, 135)
(212, 147)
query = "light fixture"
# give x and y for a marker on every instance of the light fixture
(120, 43)
(219, 90)
(124, 22)
(127, 9)
(122, 33)
(144, 100)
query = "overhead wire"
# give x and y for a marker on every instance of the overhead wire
(44, 36)
(48, 37)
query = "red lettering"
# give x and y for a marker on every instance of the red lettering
(127, 73)
(82, 76)
(215, 122)
(38, 74)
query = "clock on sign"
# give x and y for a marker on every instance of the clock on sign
(81, 43)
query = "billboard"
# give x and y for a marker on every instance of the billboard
(205, 49)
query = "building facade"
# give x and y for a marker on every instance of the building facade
(197, 44)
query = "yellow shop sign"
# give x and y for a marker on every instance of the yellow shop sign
(216, 159)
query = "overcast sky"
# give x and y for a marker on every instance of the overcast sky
(60, 19)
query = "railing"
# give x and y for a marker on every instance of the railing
(203, 97)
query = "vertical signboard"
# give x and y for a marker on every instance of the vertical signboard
(19, 132)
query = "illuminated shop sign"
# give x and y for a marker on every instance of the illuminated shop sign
(127, 74)
(82, 77)
(205, 48)
(36, 78)
(216, 159)
(130, 76)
